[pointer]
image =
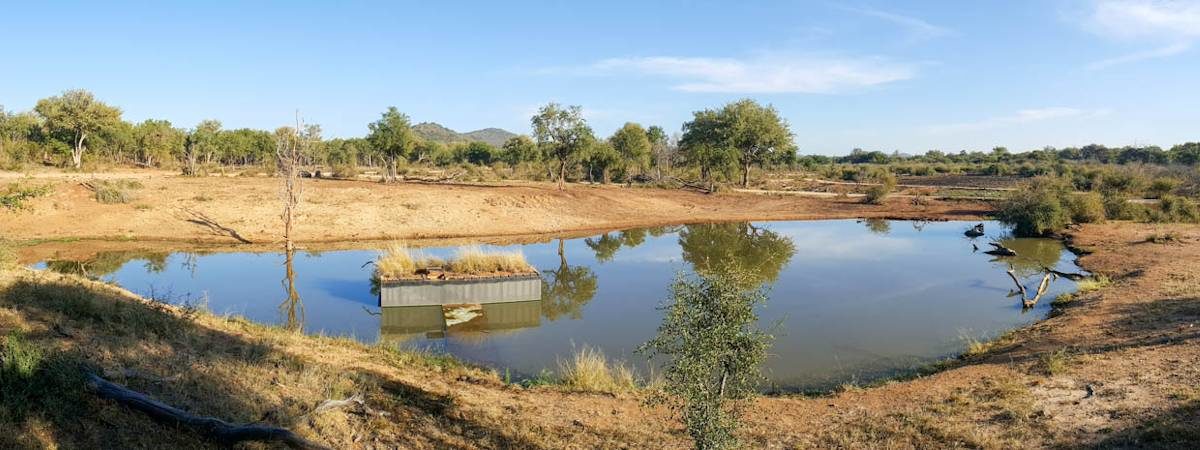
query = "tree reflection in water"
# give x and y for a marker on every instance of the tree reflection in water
(878, 226)
(567, 289)
(756, 254)
(105, 263)
(607, 244)
(1034, 256)
(292, 309)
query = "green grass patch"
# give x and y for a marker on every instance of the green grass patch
(15, 195)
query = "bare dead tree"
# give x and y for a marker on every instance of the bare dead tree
(290, 145)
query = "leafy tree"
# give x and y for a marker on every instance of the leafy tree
(518, 149)
(425, 149)
(156, 141)
(757, 254)
(705, 145)
(714, 355)
(633, 144)
(602, 157)
(660, 155)
(74, 116)
(393, 137)
(562, 135)
(759, 134)
(1187, 154)
(202, 140)
(476, 152)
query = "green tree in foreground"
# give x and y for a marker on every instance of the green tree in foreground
(563, 136)
(714, 353)
(74, 116)
(392, 135)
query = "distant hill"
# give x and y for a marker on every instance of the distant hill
(438, 133)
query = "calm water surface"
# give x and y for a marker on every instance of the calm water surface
(848, 300)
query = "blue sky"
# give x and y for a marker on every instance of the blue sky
(908, 76)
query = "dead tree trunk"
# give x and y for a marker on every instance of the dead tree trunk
(208, 427)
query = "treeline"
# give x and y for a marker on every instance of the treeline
(1000, 161)
(718, 145)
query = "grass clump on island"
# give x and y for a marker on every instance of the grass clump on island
(399, 261)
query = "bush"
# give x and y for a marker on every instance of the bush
(1123, 181)
(14, 196)
(349, 171)
(713, 353)
(1162, 186)
(876, 194)
(1087, 207)
(1118, 207)
(1176, 209)
(115, 191)
(1037, 209)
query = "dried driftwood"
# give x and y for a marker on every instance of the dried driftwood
(1041, 290)
(208, 427)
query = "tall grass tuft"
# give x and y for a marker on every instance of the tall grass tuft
(397, 260)
(473, 259)
(589, 371)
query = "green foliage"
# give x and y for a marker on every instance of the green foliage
(1118, 207)
(33, 378)
(1087, 207)
(601, 157)
(1162, 186)
(115, 191)
(632, 144)
(885, 184)
(1036, 208)
(714, 352)
(14, 196)
(157, 141)
(1173, 208)
(73, 117)
(757, 254)
(741, 132)
(392, 136)
(519, 149)
(562, 135)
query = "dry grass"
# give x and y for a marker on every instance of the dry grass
(473, 259)
(1091, 284)
(398, 260)
(590, 371)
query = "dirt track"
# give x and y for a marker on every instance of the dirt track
(226, 209)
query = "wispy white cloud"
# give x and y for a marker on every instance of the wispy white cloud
(917, 28)
(1161, 52)
(1172, 24)
(768, 74)
(1023, 116)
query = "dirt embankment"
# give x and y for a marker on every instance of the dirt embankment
(234, 209)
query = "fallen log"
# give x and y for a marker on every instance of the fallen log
(693, 185)
(208, 427)
(1000, 250)
(1027, 302)
(451, 177)
(1068, 275)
